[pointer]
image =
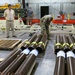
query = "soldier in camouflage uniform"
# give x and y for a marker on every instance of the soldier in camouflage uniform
(44, 23)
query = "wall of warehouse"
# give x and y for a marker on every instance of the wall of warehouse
(48, 1)
(54, 6)
(2, 2)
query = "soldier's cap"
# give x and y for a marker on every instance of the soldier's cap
(9, 5)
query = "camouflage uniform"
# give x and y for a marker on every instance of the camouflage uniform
(44, 23)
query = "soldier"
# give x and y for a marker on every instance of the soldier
(44, 23)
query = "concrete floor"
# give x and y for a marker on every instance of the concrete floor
(46, 61)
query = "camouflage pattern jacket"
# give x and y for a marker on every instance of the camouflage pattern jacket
(44, 22)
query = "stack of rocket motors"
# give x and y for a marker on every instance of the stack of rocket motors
(65, 55)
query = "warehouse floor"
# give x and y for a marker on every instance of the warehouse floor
(47, 63)
(46, 60)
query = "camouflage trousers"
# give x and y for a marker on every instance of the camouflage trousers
(45, 28)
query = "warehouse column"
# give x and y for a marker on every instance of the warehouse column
(23, 2)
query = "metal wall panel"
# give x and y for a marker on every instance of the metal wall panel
(49, 1)
(8, 1)
(54, 8)
(69, 8)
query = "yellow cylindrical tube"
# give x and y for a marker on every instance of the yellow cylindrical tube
(53, 17)
(68, 16)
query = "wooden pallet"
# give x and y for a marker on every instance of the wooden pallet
(9, 43)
